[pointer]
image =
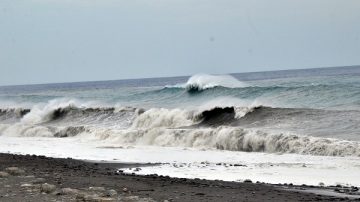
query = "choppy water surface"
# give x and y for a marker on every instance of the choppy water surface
(313, 112)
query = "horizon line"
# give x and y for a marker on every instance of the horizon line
(127, 79)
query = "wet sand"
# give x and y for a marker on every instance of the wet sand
(39, 178)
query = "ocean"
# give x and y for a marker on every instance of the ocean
(298, 126)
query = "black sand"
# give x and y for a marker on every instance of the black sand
(80, 175)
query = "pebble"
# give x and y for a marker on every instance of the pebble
(96, 188)
(103, 199)
(26, 185)
(69, 191)
(14, 171)
(111, 192)
(137, 169)
(93, 198)
(47, 188)
(132, 198)
(38, 180)
(4, 174)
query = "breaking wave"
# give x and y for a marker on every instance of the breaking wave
(12, 113)
(202, 82)
(222, 138)
(215, 127)
(25, 130)
(233, 139)
(208, 115)
(67, 111)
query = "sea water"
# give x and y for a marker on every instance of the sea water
(298, 126)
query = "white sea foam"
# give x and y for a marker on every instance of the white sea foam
(226, 138)
(25, 130)
(200, 82)
(160, 117)
(41, 112)
(191, 137)
(177, 127)
(194, 163)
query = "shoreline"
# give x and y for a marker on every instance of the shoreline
(96, 180)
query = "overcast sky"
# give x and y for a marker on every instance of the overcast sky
(44, 41)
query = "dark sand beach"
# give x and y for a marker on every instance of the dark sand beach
(39, 178)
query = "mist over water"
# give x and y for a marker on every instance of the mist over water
(314, 112)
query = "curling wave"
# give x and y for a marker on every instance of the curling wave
(75, 114)
(210, 116)
(225, 128)
(202, 82)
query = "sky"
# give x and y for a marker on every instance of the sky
(47, 41)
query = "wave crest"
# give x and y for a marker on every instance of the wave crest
(160, 117)
(200, 82)
(176, 127)
(13, 113)
(232, 139)
(212, 127)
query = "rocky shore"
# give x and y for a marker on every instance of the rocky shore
(39, 178)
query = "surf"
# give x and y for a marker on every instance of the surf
(201, 82)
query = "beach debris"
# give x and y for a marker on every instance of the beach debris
(4, 174)
(14, 171)
(47, 188)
